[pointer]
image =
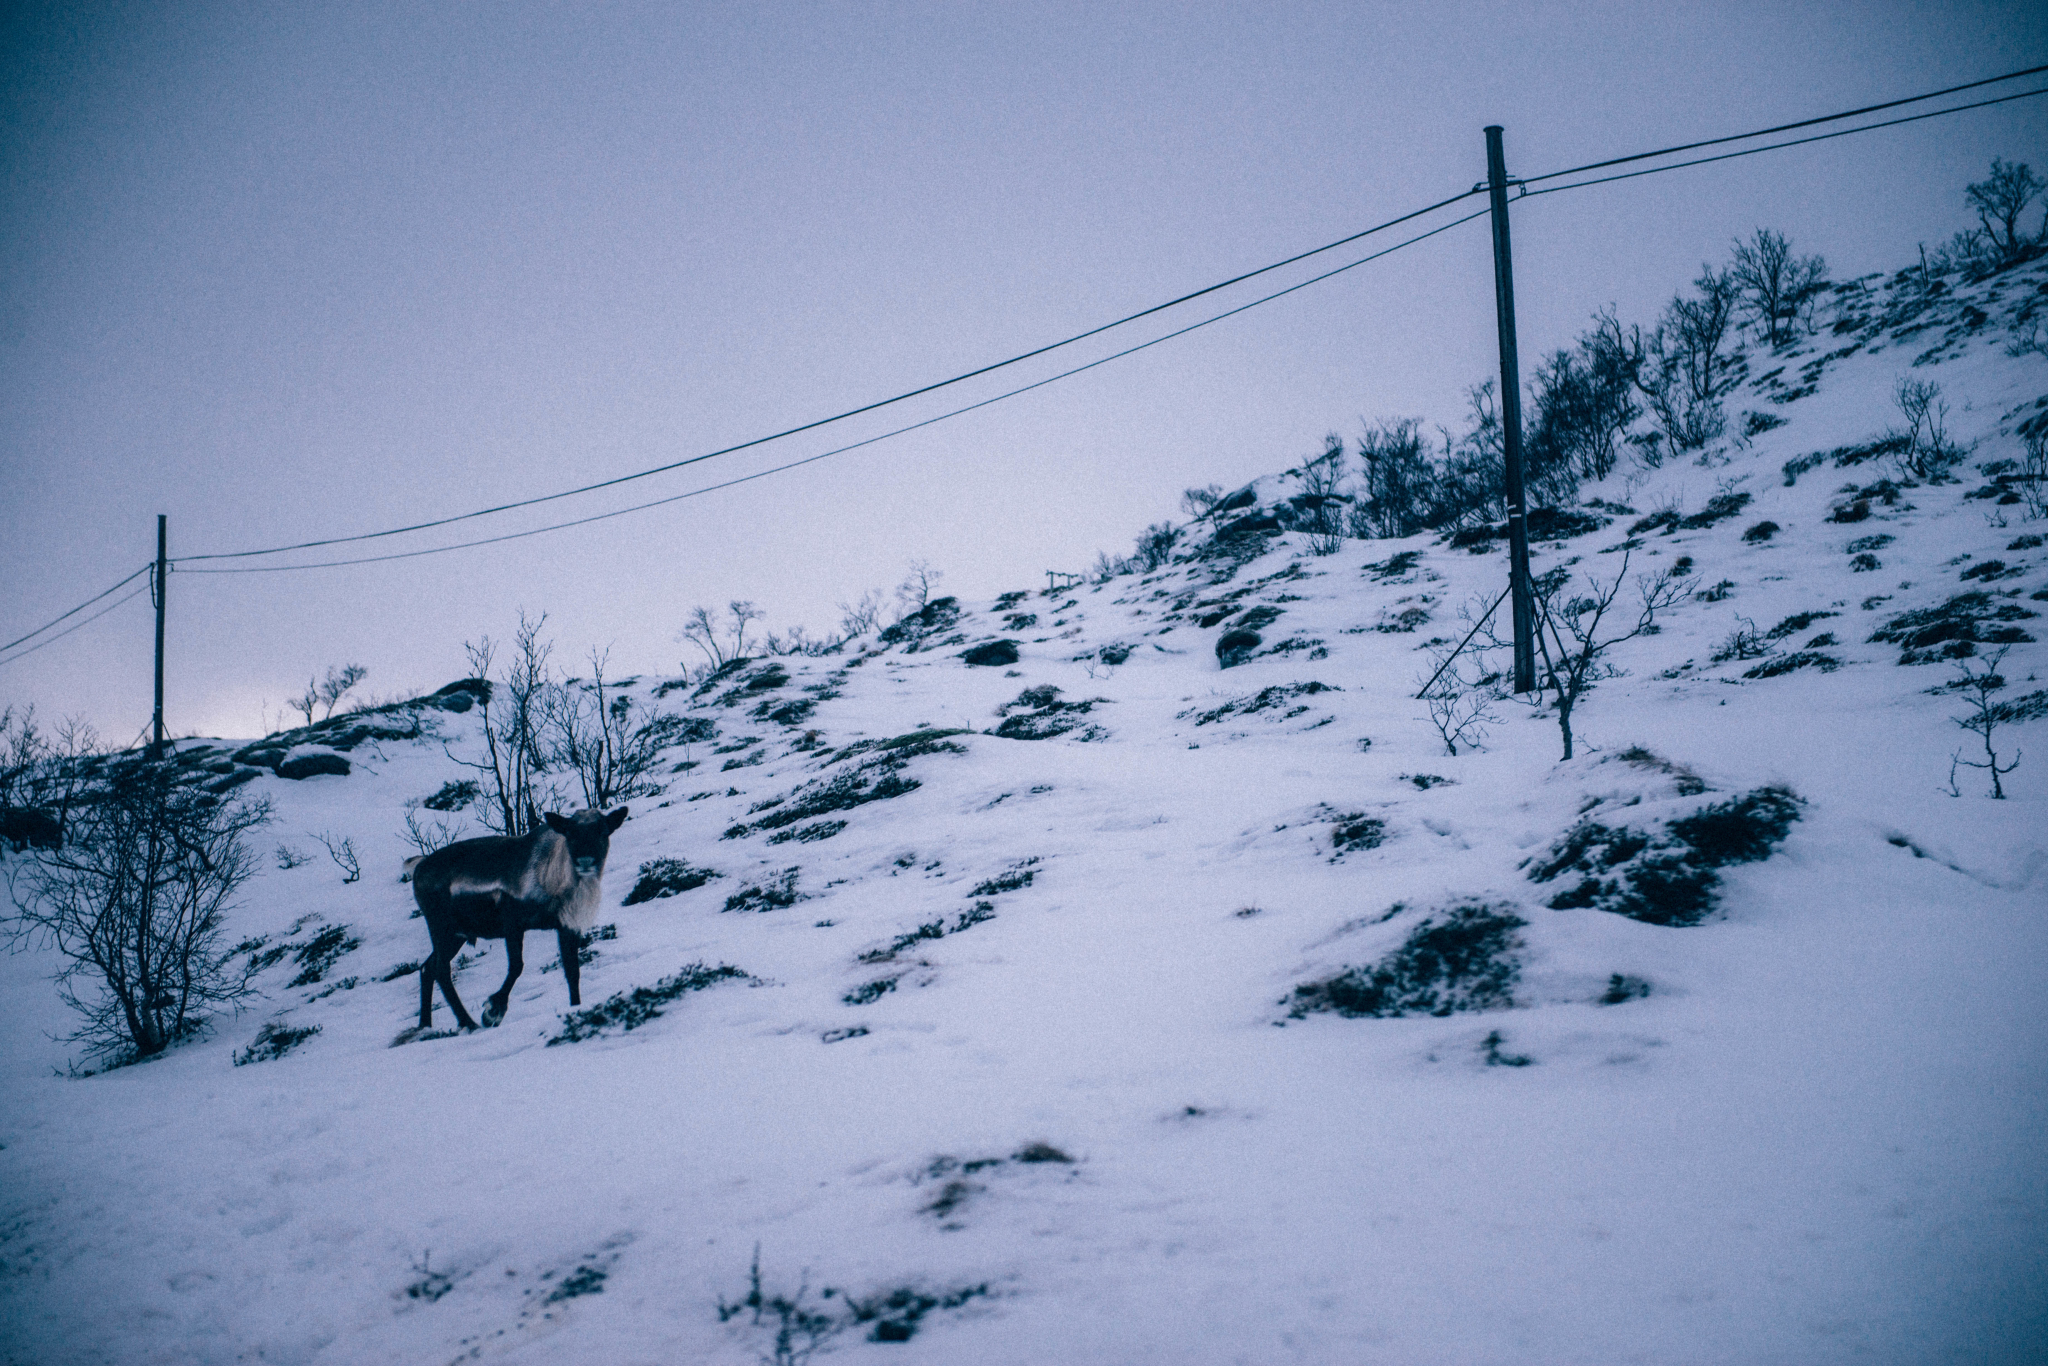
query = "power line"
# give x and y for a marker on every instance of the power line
(77, 625)
(75, 611)
(854, 446)
(839, 417)
(1775, 146)
(1012, 393)
(1788, 127)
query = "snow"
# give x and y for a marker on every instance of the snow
(1815, 1140)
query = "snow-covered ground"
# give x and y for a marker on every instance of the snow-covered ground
(1083, 1123)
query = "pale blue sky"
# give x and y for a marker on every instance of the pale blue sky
(285, 272)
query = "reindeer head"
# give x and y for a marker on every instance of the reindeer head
(589, 834)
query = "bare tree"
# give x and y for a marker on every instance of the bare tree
(1584, 404)
(1982, 720)
(1460, 697)
(1929, 453)
(2032, 476)
(1155, 547)
(1199, 503)
(1774, 283)
(515, 763)
(307, 702)
(917, 587)
(337, 684)
(1685, 372)
(600, 735)
(343, 851)
(720, 644)
(135, 905)
(1399, 475)
(1999, 200)
(859, 617)
(1321, 499)
(427, 839)
(42, 776)
(1580, 633)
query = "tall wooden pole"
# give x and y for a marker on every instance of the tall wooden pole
(1511, 418)
(162, 565)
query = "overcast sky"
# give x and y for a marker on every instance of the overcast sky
(293, 272)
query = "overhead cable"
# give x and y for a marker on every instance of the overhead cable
(52, 640)
(1788, 127)
(1775, 146)
(76, 610)
(854, 446)
(837, 417)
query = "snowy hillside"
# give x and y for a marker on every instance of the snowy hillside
(1086, 1005)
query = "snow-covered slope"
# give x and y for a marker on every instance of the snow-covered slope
(1026, 1051)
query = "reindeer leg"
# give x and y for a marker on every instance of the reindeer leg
(572, 965)
(441, 964)
(515, 963)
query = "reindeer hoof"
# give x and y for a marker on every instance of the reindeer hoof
(494, 1011)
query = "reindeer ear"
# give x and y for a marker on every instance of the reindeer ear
(557, 823)
(615, 819)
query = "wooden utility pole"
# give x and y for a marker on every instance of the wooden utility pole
(156, 747)
(1511, 419)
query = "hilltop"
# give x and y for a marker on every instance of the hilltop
(1127, 972)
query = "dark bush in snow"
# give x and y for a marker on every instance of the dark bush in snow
(1802, 659)
(452, 796)
(1718, 509)
(1038, 714)
(1795, 623)
(775, 893)
(1955, 629)
(1761, 532)
(1357, 832)
(1462, 961)
(628, 1010)
(1670, 879)
(934, 617)
(1235, 646)
(1266, 699)
(993, 654)
(273, 1041)
(665, 877)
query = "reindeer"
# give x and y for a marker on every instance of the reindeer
(499, 887)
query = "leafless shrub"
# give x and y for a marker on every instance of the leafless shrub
(1199, 503)
(1773, 283)
(861, 616)
(1928, 453)
(289, 858)
(1999, 200)
(1461, 702)
(917, 587)
(1400, 477)
(1574, 633)
(427, 838)
(327, 692)
(1982, 720)
(1155, 547)
(1685, 371)
(135, 905)
(343, 852)
(1322, 498)
(2030, 481)
(513, 769)
(598, 733)
(721, 643)
(1744, 642)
